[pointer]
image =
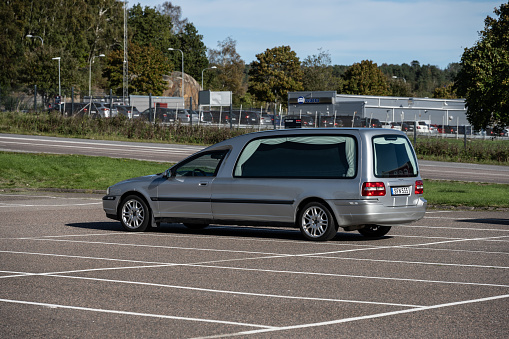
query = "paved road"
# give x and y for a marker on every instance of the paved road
(174, 153)
(67, 271)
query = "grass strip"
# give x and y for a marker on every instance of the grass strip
(22, 170)
(39, 171)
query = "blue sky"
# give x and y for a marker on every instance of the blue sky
(432, 32)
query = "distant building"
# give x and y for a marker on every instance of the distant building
(434, 111)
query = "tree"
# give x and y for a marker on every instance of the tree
(147, 65)
(365, 78)
(149, 27)
(275, 73)
(445, 92)
(230, 68)
(195, 51)
(74, 30)
(318, 73)
(484, 76)
(175, 14)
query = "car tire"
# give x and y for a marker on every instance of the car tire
(374, 231)
(195, 226)
(135, 215)
(316, 222)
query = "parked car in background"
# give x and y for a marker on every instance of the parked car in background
(406, 128)
(348, 121)
(304, 120)
(371, 123)
(391, 125)
(266, 119)
(186, 116)
(318, 180)
(129, 111)
(102, 109)
(249, 118)
(328, 121)
(160, 114)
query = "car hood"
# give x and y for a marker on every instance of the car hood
(146, 178)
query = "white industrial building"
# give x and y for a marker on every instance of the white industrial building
(434, 111)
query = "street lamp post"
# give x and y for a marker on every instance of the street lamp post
(59, 88)
(213, 67)
(90, 77)
(176, 49)
(35, 36)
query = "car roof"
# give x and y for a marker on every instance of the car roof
(243, 139)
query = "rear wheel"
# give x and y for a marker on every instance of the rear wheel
(316, 222)
(374, 231)
(134, 214)
(195, 226)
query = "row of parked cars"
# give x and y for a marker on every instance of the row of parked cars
(170, 115)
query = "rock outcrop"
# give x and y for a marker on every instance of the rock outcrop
(191, 87)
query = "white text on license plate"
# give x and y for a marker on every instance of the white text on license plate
(400, 190)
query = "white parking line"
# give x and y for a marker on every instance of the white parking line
(366, 317)
(161, 316)
(209, 290)
(457, 228)
(56, 205)
(207, 264)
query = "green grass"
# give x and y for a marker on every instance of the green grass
(456, 193)
(20, 170)
(39, 171)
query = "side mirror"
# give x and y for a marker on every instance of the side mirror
(168, 173)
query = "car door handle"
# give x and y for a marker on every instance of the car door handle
(203, 184)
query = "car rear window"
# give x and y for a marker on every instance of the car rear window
(299, 157)
(393, 157)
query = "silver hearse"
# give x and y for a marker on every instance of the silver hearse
(363, 179)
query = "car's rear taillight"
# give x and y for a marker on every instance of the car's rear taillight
(373, 189)
(419, 187)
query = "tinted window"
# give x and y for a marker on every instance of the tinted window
(393, 157)
(298, 157)
(203, 165)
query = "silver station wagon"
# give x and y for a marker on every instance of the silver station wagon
(359, 179)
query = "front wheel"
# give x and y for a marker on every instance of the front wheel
(316, 222)
(134, 214)
(374, 231)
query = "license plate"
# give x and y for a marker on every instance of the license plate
(405, 190)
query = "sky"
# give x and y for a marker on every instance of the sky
(433, 32)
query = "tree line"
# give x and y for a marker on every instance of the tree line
(80, 32)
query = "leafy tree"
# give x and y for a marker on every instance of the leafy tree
(318, 73)
(73, 30)
(484, 76)
(147, 65)
(175, 14)
(399, 87)
(445, 92)
(230, 68)
(365, 78)
(275, 73)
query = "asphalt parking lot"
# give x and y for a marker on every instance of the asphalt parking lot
(68, 271)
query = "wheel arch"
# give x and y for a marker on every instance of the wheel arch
(304, 202)
(138, 194)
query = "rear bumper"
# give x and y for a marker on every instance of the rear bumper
(361, 212)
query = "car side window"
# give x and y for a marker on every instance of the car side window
(309, 157)
(203, 165)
